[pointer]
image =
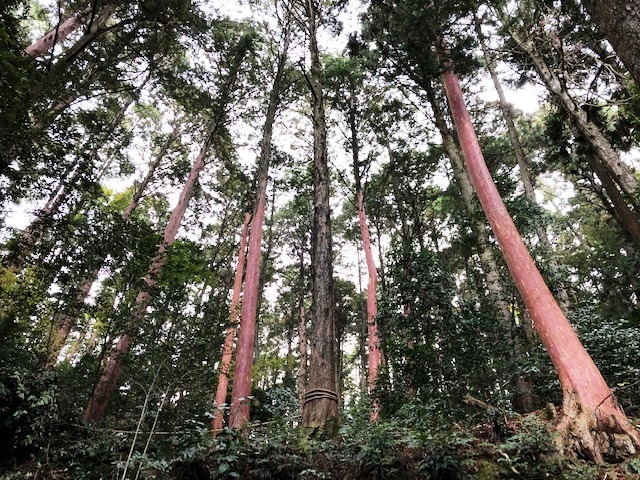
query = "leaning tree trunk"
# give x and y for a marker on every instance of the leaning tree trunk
(596, 140)
(241, 389)
(67, 320)
(619, 22)
(95, 409)
(524, 399)
(590, 409)
(321, 398)
(227, 349)
(58, 34)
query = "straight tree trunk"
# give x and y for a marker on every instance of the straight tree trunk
(373, 336)
(241, 389)
(589, 406)
(227, 350)
(609, 158)
(619, 22)
(321, 398)
(95, 409)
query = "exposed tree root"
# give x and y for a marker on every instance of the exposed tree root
(596, 433)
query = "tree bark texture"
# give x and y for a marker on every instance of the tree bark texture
(588, 404)
(58, 34)
(321, 398)
(95, 409)
(227, 349)
(619, 22)
(373, 335)
(241, 390)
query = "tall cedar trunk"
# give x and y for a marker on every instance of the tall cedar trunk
(524, 398)
(95, 409)
(619, 22)
(523, 163)
(58, 34)
(66, 321)
(596, 140)
(373, 336)
(321, 398)
(241, 389)
(227, 350)
(589, 407)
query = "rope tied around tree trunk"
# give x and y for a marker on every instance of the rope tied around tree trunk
(319, 393)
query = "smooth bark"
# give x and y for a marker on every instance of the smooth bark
(227, 349)
(241, 389)
(528, 183)
(589, 405)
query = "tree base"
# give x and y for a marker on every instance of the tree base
(598, 434)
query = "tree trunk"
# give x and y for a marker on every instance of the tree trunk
(611, 160)
(241, 389)
(58, 34)
(619, 22)
(321, 398)
(67, 320)
(373, 336)
(626, 217)
(227, 350)
(589, 407)
(95, 409)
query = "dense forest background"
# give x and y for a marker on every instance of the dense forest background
(303, 170)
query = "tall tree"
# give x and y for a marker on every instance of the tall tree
(227, 348)
(240, 402)
(619, 22)
(99, 400)
(589, 406)
(321, 396)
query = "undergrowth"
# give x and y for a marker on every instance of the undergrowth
(416, 443)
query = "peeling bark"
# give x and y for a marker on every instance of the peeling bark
(591, 410)
(58, 34)
(227, 350)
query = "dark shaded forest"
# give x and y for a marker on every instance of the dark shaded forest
(329, 239)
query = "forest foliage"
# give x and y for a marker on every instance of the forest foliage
(133, 146)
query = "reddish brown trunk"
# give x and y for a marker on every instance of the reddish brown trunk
(58, 34)
(241, 390)
(227, 350)
(588, 402)
(94, 412)
(373, 341)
